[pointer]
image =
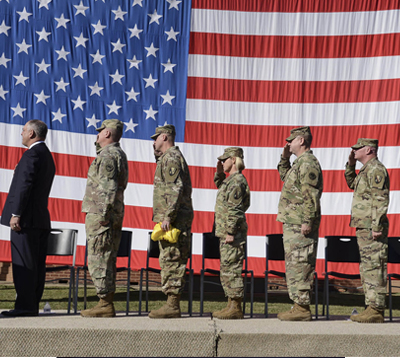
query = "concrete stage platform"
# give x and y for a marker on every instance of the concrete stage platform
(58, 334)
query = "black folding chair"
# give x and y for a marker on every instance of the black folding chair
(274, 251)
(62, 242)
(339, 249)
(211, 252)
(153, 252)
(393, 258)
(125, 249)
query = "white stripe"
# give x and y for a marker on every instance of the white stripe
(293, 114)
(195, 154)
(295, 69)
(295, 24)
(268, 158)
(203, 199)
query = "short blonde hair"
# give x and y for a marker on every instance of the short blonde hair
(239, 164)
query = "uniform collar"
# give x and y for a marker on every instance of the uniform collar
(368, 163)
(307, 152)
(116, 144)
(170, 149)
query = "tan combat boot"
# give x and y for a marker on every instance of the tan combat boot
(370, 315)
(297, 313)
(105, 308)
(170, 310)
(217, 314)
(234, 311)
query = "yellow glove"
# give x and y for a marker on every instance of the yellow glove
(171, 235)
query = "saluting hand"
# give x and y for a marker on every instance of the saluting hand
(352, 160)
(220, 167)
(286, 151)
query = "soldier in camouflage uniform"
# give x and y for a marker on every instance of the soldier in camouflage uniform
(104, 207)
(368, 216)
(300, 212)
(233, 200)
(172, 206)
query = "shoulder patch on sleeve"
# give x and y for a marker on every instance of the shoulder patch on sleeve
(378, 179)
(236, 196)
(172, 172)
(311, 177)
(108, 167)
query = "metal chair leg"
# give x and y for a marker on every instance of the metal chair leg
(201, 292)
(140, 292)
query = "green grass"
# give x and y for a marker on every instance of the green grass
(341, 304)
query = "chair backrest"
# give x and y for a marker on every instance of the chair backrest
(62, 242)
(210, 247)
(394, 250)
(342, 249)
(125, 246)
(153, 250)
(274, 247)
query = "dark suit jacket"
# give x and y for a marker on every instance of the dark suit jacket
(30, 188)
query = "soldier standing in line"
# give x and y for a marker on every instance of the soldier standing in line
(233, 200)
(172, 206)
(300, 212)
(104, 207)
(368, 216)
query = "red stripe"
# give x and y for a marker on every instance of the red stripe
(296, 6)
(65, 210)
(274, 136)
(293, 91)
(294, 46)
(202, 177)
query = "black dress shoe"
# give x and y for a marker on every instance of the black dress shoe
(20, 313)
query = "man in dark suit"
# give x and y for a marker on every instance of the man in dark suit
(25, 211)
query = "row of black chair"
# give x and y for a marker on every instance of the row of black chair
(210, 252)
(338, 249)
(62, 242)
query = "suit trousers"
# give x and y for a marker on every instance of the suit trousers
(28, 252)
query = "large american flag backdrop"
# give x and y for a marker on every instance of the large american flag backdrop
(225, 73)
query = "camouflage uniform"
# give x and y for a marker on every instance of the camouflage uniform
(104, 201)
(172, 201)
(300, 204)
(368, 213)
(233, 199)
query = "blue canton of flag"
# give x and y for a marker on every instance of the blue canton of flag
(75, 63)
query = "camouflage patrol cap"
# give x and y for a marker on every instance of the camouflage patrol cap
(295, 132)
(111, 123)
(362, 142)
(168, 129)
(232, 152)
